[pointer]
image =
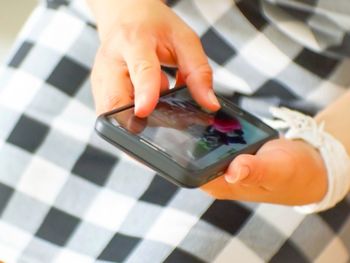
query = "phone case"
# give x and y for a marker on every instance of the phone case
(162, 163)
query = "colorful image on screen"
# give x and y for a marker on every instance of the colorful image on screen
(188, 134)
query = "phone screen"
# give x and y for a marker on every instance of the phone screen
(191, 136)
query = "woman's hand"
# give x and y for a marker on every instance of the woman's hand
(137, 37)
(282, 171)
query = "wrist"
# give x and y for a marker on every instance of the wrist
(335, 121)
(105, 13)
(333, 152)
(109, 12)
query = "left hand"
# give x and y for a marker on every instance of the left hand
(282, 171)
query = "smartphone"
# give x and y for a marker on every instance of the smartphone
(182, 142)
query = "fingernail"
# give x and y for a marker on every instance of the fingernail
(212, 98)
(140, 101)
(241, 174)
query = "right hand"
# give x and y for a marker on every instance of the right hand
(137, 36)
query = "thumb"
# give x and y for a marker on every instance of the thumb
(266, 169)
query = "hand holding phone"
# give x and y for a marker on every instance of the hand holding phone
(182, 142)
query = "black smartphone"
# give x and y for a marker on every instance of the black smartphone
(185, 144)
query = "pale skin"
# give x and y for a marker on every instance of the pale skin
(137, 36)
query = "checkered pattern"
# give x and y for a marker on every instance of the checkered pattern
(67, 196)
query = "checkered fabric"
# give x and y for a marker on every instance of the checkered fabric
(67, 196)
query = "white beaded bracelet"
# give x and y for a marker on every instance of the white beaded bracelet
(334, 154)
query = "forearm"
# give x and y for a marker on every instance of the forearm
(337, 120)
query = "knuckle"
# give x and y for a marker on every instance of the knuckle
(257, 178)
(107, 50)
(130, 33)
(105, 61)
(205, 70)
(142, 66)
(112, 101)
(111, 44)
(122, 37)
(122, 67)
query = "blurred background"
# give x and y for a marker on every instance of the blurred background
(13, 13)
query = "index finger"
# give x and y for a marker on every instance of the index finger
(195, 70)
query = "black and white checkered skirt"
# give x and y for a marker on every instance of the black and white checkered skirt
(67, 196)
